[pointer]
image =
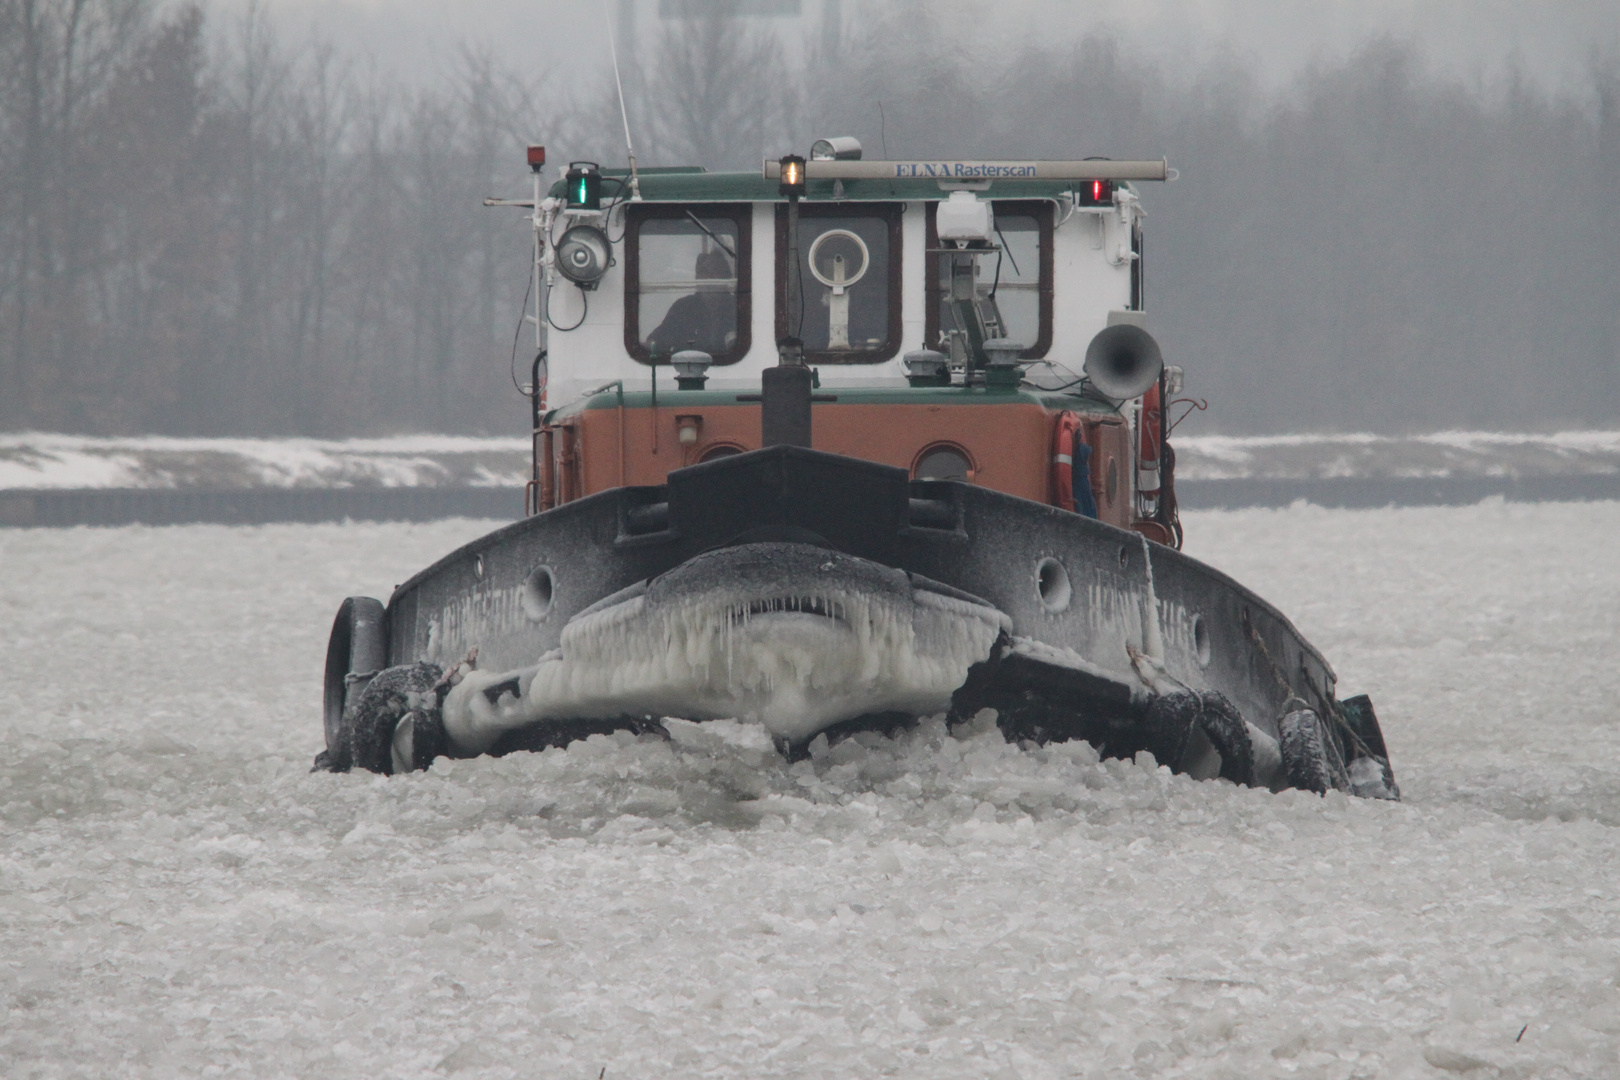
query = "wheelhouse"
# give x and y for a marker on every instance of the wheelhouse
(948, 321)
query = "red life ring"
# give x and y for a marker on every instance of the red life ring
(1147, 467)
(1065, 435)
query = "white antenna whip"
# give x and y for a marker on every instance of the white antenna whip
(613, 49)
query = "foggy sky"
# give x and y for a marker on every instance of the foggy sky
(1473, 41)
(1381, 247)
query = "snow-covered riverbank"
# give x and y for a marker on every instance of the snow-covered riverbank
(179, 896)
(39, 461)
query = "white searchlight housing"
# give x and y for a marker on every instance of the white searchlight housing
(964, 218)
(837, 148)
(583, 255)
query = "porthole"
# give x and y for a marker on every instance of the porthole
(1124, 556)
(1052, 584)
(1201, 641)
(478, 566)
(537, 592)
(943, 463)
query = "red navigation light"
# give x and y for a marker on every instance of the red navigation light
(537, 158)
(1097, 193)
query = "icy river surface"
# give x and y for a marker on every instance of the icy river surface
(179, 896)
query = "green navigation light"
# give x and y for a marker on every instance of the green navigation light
(584, 186)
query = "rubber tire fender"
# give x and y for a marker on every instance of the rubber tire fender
(1171, 719)
(1223, 724)
(1310, 758)
(358, 646)
(1169, 724)
(394, 694)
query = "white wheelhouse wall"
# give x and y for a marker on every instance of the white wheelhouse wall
(1086, 285)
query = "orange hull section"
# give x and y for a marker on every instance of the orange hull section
(1009, 446)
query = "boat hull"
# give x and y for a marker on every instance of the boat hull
(1069, 627)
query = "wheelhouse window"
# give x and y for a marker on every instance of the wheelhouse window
(1018, 278)
(687, 274)
(849, 262)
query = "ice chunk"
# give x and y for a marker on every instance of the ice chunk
(632, 874)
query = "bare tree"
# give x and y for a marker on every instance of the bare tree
(320, 107)
(60, 57)
(1606, 167)
(156, 303)
(717, 91)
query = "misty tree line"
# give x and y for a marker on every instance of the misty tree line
(210, 229)
(221, 231)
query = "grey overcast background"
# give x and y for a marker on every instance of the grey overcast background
(264, 218)
(1468, 39)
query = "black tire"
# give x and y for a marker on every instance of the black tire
(1169, 724)
(394, 694)
(356, 650)
(1172, 718)
(1226, 729)
(1310, 758)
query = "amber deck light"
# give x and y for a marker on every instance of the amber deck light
(791, 185)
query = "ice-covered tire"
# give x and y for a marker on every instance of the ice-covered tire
(356, 650)
(1172, 718)
(390, 697)
(1169, 724)
(1225, 728)
(1310, 758)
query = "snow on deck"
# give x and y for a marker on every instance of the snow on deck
(179, 896)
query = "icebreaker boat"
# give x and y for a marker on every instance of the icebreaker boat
(836, 445)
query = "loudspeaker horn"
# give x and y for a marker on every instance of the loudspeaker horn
(1123, 362)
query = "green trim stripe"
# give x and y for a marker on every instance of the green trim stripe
(695, 185)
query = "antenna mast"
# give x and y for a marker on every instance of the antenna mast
(624, 114)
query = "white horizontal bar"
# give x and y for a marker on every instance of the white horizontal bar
(976, 170)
